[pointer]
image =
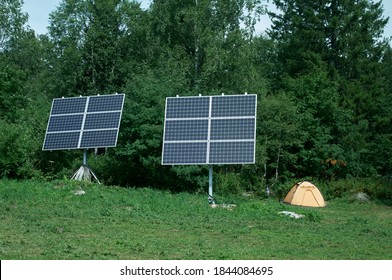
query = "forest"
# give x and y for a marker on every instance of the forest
(322, 73)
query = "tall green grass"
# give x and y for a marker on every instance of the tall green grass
(46, 220)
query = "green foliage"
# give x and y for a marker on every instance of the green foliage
(95, 44)
(188, 178)
(346, 34)
(210, 39)
(328, 58)
(229, 183)
(17, 151)
(136, 161)
(322, 121)
(279, 135)
(12, 23)
(12, 97)
(377, 189)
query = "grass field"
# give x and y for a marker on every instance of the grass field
(46, 220)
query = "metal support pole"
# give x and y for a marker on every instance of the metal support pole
(85, 157)
(211, 199)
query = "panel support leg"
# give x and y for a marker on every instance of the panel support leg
(84, 173)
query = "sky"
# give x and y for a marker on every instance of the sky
(39, 15)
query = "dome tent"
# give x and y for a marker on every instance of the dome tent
(305, 194)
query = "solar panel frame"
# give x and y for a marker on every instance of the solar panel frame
(94, 122)
(235, 127)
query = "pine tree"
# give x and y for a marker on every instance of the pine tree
(343, 39)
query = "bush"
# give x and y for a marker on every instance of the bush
(17, 151)
(229, 183)
(376, 188)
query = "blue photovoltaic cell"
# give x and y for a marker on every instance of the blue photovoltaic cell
(187, 107)
(231, 152)
(184, 153)
(233, 106)
(232, 129)
(105, 103)
(183, 130)
(60, 141)
(210, 130)
(102, 121)
(68, 105)
(100, 138)
(84, 122)
(65, 123)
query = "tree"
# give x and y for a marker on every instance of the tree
(280, 135)
(95, 43)
(323, 122)
(345, 34)
(381, 147)
(22, 93)
(211, 36)
(12, 29)
(343, 39)
(137, 158)
(21, 54)
(12, 23)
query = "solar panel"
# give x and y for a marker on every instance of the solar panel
(186, 130)
(188, 107)
(84, 122)
(100, 138)
(105, 103)
(232, 129)
(65, 123)
(232, 152)
(102, 120)
(234, 106)
(68, 105)
(185, 153)
(210, 130)
(61, 141)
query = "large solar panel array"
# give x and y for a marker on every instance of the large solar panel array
(210, 130)
(84, 122)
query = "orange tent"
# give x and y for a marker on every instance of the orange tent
(305, 194)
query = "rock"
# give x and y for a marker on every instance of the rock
(79, 192)
(361, 197)
(291, 214)
(225, 206)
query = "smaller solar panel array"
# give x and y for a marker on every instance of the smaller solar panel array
(210, 130)
(84, 122)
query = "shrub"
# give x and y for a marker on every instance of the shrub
(17, 151)
(375, 188)
(229, 183)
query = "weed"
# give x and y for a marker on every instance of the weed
(313, 217)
